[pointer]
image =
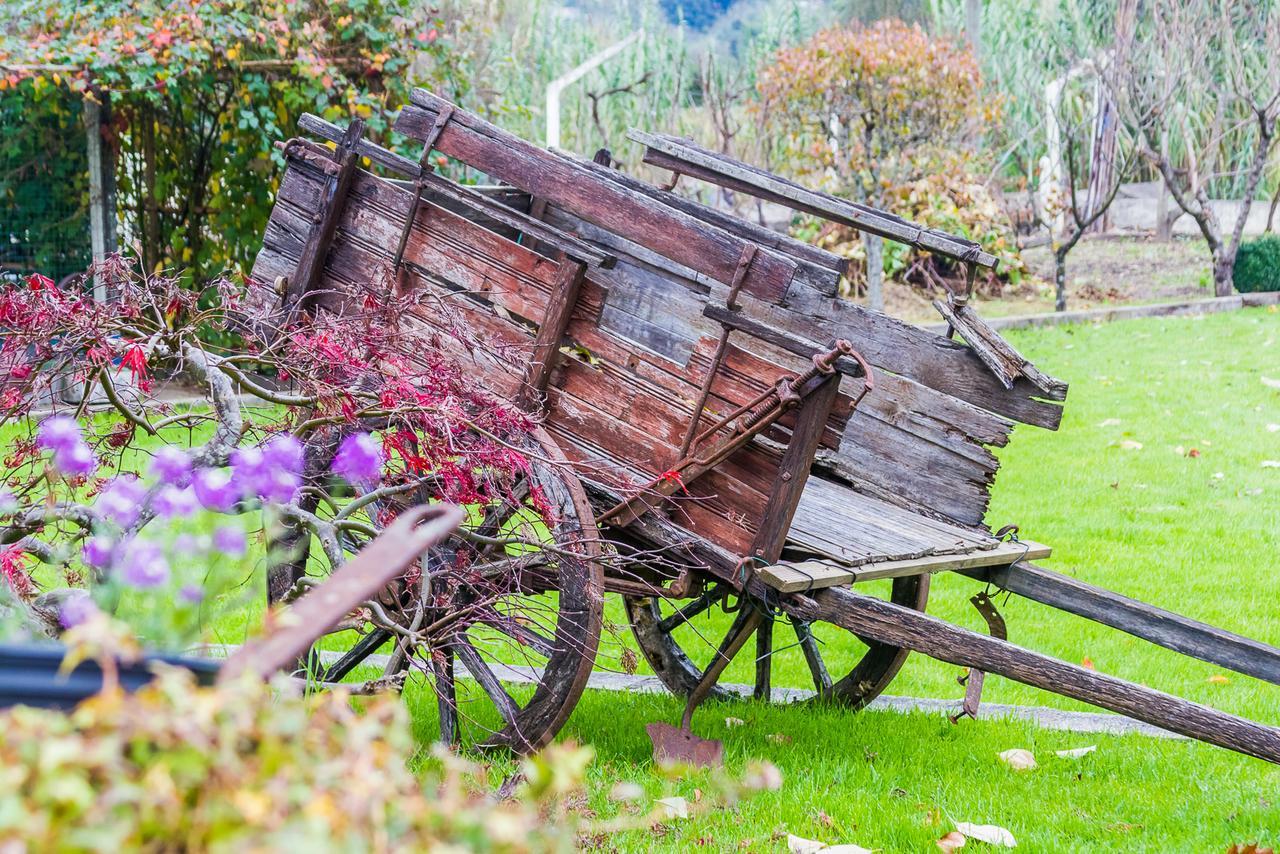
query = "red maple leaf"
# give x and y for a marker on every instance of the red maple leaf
(161, 38)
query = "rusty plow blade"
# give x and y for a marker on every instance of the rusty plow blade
(678, 745)
(674, 745)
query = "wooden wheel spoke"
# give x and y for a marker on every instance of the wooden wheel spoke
(446, 696)
(521, 634)
(693, 609)
(812, 655)
(355, 656)
(479, 670)
(764, 658)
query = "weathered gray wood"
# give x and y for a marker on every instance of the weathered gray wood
(818, 268)
(814, 574)
(688, 158)
(948, 366)
(903, 627)
(629, 214)
(995, 352)
(1164, 628)
(477, 202)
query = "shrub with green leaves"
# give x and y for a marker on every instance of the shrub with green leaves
(238, 768)
(1258, 265)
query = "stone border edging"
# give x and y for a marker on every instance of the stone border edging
(1211, 305)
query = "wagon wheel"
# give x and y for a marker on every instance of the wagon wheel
(678, 650)
(511, 631)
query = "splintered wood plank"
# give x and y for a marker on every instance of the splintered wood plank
(998, 354)
(813, 574)
(673, 233)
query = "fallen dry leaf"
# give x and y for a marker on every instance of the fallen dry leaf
(779, 738)
(1076, 752)
(674, 807)
(1270, 383)
(952, 841)
(992, 834)
(733, 722)
(1087, 663)
(1271, 464)
(1273, 428)
(1218, 679)
(1249, 848)
(1130, 445)
(1193, 453)
(800, 845)
(1018, 759)
(1110, 422)
(626, 791)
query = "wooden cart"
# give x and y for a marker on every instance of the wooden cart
(720, 431)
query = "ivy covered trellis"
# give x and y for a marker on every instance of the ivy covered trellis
(194, 94)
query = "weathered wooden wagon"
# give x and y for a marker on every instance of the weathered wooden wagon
(719, 432)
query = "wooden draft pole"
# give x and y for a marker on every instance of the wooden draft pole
(893, 624)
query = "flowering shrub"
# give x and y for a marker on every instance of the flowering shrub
(889, 115)
(233, 769)
(154, 507)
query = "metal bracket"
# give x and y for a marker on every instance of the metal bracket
(972, 681)
(424, 168)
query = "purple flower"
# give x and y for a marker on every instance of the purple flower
(8, 503)
(59, 433)
(229, 540)
(284, 453)
(172, 466)
(121, 500)
(271, 471)
(97, 552)
(171, 501)
(185, 544)
(214, 490)
(75, 460)
(191, 594)
(78, 608)
(143, 565)
(359, 460)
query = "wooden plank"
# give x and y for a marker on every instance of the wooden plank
(905, 627)
(793, 470)
(464, 196)
(674, 234)
(1161, 627)
(546, 346)
(818, 268)
(812, 575)
(333, 199)
(995, 352)
(948, 366)
(688, 158)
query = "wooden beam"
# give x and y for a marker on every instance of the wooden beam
(333, 198)
(468, 198)
(784, 340)
(793, 470)
(569, 185)
(816, 574)
(546, 346)
(818, 268)
(1006, 363)
(904, 627)
(687, 158)
(1163, 628)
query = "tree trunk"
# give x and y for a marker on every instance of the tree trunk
(1060, 280)
(973, 27)
(1224, 264)
(874, 244)
(1165, 218)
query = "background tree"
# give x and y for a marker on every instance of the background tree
(201, 90)
(1207, 79)
(880, 114)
